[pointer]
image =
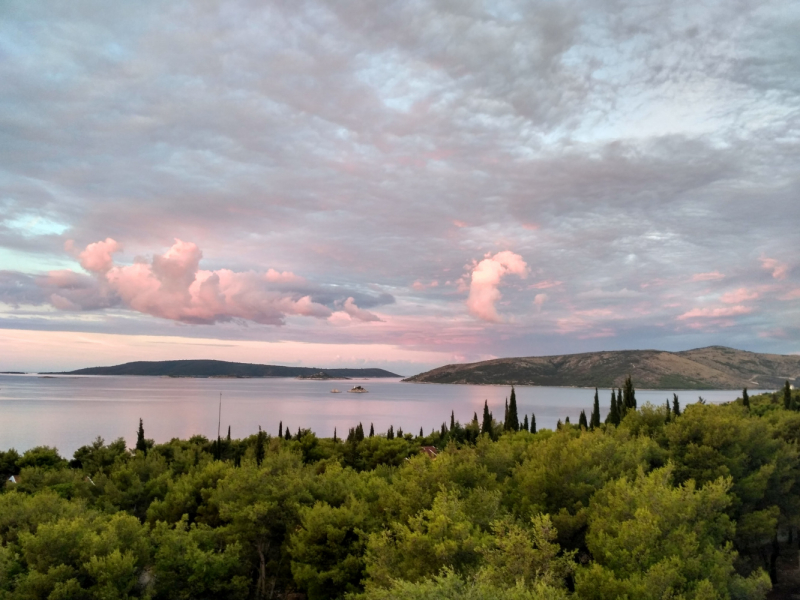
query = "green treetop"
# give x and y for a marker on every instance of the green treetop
(512, 418)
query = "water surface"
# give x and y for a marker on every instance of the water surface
(69, 411)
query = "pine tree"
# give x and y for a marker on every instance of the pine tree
(533, 423)
(371, 430)
(595, 421)
(141, 443)
(582, 420)
(486, 426)
(676, 405)
(280, 430)
(745, 399)
(787, 396)
(525, 426)
(260, 439)
(512, 418)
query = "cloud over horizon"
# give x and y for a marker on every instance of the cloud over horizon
(634, 168)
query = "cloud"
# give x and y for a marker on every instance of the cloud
(359, 313)
(539, 300)
(779, 269)
(486, 277)
(715, 313)
(172, 286)
(740, 295)
(711, 276)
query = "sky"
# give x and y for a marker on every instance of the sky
(396, 184)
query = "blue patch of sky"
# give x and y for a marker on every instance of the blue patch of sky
(29, 262)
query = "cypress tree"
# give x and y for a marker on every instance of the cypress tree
(371, 430)
(351, 434)
(229, 433)
(512, 418)
(668, 417)
(566, 421)
(558, 425)
(390, 433)
(359, 432)
(443, 431)
(141, 443)
(334, 434)
(400, 432)
(745, 399)
(421, 433)
(452, 420)
(787, 396)
(525, 424)
(280, 429)
(298, 434)
(505, 416)
(629, 397)
(486, 426)
(595, 422)
(676, 406)
(288, 434)
(582, 420)
(533, 423)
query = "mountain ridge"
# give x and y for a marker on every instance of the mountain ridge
(711, 367)
(219, 368)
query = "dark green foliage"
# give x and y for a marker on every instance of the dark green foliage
(390, 433)
(421, 433)
(533, 423)
(629, 395)
(566, 421)
(582, 422)
(141, 443)
(371, 430)
(512, 417)
(228, 439)
(745, 398)
(287, 434)
(525, 425)
(486, 424)
(788, 403)
(613, 416)
(595, 420)
(359, 436)
(676, 405)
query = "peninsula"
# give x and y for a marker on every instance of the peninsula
(221, 368)
(714, 367)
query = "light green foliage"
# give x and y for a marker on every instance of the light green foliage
(450, 586)
(651, 539)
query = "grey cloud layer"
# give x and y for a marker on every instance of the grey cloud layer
(611, 145)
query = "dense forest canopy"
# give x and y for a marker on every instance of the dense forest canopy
(693, 502)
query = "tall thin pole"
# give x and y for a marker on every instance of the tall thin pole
(219, 420)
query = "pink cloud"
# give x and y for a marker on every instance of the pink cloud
(712, 276)
(791, 295)
(172, 286)
(530, 226)
(539, 300)
(740, 295)
(779, 269)
(97, 258)
(543, 285)
(486, 277)
(359, 313)
(419, 286)
(715, 313)
(459, 224)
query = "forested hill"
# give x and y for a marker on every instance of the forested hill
(220, 368)
(715, 367)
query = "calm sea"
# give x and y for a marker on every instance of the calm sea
(68, 412)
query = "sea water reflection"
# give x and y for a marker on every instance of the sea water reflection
(68, 412)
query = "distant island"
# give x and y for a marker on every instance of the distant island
(714, 367)
(221, 368)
